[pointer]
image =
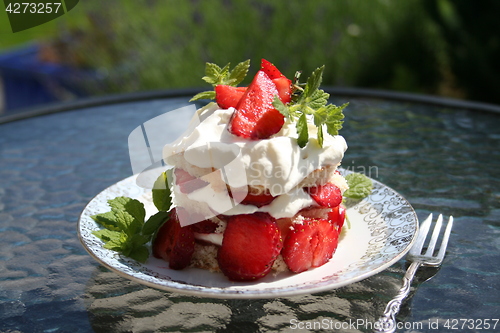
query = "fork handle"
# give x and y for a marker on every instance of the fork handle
(387, 322)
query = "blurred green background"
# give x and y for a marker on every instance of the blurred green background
(448, 48)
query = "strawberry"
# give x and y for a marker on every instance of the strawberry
(310, 244)
(327, 195)
(250, 246)
(183, 249)
(272, 71)
(255, 116)
(163, 240)
(174, 243)
(228, 96)
(283, 85)
(204, 227)
(259, 198)
(284, 224)
(186, 182)
(337, 216)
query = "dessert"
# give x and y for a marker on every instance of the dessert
(255, 181)
(254, 186)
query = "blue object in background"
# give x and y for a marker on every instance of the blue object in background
(29, 82)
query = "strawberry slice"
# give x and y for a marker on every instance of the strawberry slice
(186, 182)
(255, 116)
(228, 96)
(285, 225)
(164, 238)
(327, 195)
(259, 199)
(272, 71)
(310, 244)
(337, 216)
(250, 246)
(174, 243)
(283, 85)
(204, 227)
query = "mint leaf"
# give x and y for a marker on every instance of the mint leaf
(319, 136)
(132, 206)
(161, 193)
(107, 220)
(203, 95)
(140, 253)
(312, 84)
(313, 101)
(360, 186)
(131, 226)
(334, 118)
(238, 74)
(129, 214)
(302, 131)
(154, 223)
(318, 99)
(215, 75)
(281, 107)
(124, 228)
(106, 235)
(118, 243)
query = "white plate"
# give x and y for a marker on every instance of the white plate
(383, 228)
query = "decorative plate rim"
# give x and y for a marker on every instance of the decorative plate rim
(388, 217)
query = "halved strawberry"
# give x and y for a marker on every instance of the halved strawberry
(327, 195)
(183, 249)
(250, 246)
(255, 116)
(337, 216)
(204, 227)
(283, 85)
(228, 96)
(174, 243)
(186, 182)
(272, 71)
(310, 244)
(164, 238)
(259, 198)
(285, 225)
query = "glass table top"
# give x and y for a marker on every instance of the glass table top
(442, 159)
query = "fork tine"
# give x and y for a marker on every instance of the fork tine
(422, 234)
(446, 237)
(435, 235)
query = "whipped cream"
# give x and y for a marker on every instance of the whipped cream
(277, 163)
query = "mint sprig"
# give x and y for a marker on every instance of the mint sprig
(312, 101)
(216, 75)
(360, 186)
(161, 192)
(125, 229)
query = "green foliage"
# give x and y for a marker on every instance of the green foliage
(142, 45)
(360, 186)
(312, 101)
(161, 192)
(125, 230)
(428, 46)
(216, 75)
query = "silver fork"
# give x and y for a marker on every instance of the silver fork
(387, 323)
